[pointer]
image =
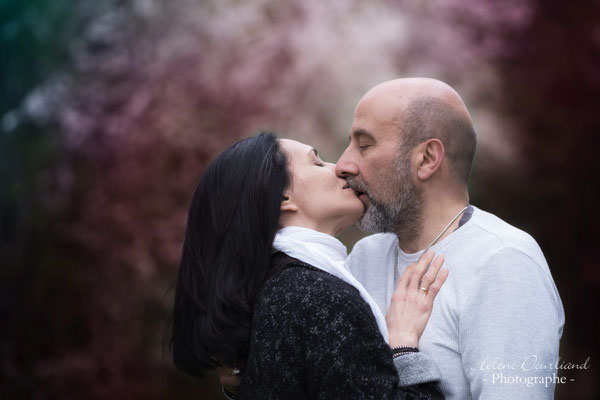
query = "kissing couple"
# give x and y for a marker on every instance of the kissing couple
(268, 296)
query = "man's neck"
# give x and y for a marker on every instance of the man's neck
(434, 219)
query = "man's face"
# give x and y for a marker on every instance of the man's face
(376, 165)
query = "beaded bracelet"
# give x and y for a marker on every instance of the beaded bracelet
(401, 350)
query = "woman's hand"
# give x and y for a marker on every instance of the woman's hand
(412, 301)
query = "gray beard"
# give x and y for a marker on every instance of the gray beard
(401, 210)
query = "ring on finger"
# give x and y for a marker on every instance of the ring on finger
(424, 289)
(234, 371)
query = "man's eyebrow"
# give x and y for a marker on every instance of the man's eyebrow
(361, 132)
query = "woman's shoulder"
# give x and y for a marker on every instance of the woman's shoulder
(298, 276)
(304, 288)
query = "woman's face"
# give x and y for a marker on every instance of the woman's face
(317, 198)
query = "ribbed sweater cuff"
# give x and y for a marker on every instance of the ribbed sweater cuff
(415, 368)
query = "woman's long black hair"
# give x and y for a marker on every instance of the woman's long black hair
(226, 254)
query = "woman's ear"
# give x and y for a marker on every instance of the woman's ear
(429, 158)
(287, 204)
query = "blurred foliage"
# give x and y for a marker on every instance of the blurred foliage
(33, 40)
(74, 326)
(110, 110)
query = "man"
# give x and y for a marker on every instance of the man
(495, 328)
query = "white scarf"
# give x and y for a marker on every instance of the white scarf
(328, 254)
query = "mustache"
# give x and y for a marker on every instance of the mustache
(358, 186)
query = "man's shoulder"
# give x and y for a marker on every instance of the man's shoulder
(496, 228)
(497, 235)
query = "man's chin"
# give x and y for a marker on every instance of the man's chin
(373, 220)
(366, 225)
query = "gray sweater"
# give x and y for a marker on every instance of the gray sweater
(497, 321)
(314, 337)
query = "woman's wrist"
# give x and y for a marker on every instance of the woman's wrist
(404, 340)
(401, 350)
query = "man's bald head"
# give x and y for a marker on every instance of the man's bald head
(424, 109)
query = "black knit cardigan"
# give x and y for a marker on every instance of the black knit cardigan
(314, 337)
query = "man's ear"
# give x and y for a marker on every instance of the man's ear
(287, 204)
(430, 155)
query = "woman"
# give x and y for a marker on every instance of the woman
(262, 285)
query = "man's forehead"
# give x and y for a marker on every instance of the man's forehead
(380, 108)
(376, 125)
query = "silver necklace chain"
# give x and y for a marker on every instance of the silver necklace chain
(428, 247)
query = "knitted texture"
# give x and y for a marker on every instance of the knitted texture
(314, 337)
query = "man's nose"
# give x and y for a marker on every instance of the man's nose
(346, 167)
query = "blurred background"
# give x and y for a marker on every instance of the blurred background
(110, 110)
